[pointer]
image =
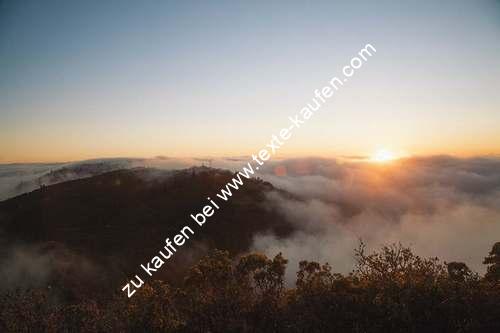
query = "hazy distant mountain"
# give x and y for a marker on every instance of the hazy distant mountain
(16, 179)
(19, 178)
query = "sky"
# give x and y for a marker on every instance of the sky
(92, 79)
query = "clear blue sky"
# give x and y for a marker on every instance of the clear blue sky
(180, 78)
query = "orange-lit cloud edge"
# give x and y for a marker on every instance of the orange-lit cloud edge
(378, 155)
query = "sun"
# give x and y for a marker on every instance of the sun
(383, 156)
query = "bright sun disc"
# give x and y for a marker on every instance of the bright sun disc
(383, 155)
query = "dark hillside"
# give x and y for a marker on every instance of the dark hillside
(118, 220)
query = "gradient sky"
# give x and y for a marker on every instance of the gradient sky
(93, 79)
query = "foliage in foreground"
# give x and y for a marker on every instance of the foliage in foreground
(391, 290)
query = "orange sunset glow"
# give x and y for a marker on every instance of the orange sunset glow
(250, 166)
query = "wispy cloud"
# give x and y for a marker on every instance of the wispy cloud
(442, 206)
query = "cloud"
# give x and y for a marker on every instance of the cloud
(37, 265)
(441, 206)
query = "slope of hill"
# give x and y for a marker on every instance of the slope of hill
(94, 232)
(16, 179)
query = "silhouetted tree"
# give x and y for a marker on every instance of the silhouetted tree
(391, 290)
(458, 271)
(493, 262)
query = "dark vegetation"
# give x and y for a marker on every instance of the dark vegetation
(392, 290)
(115, 221)
(94, 233)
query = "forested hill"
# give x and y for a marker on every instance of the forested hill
(115, 221)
